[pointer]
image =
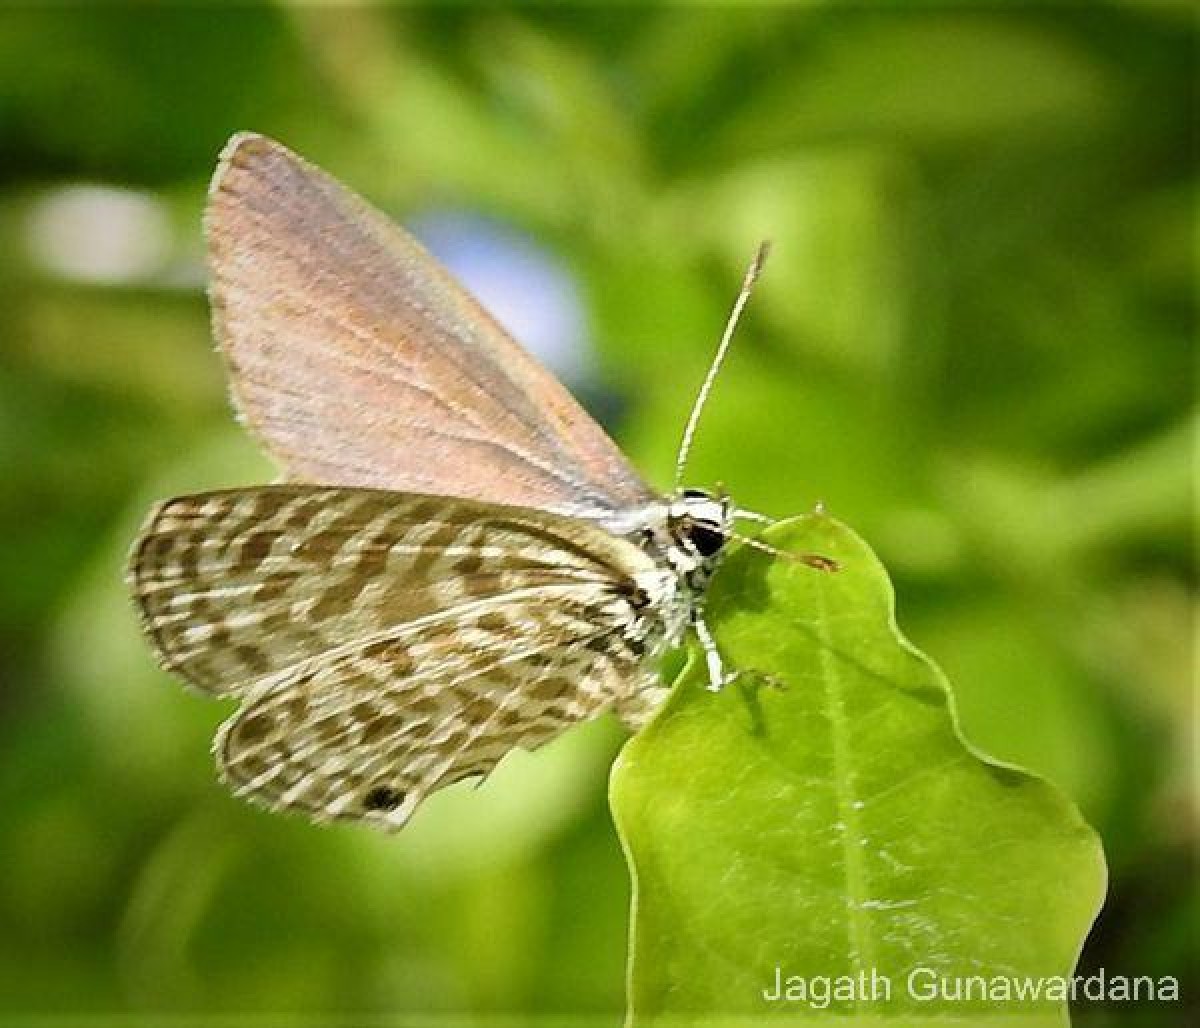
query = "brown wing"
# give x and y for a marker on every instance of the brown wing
(385, 645)
(367, 732)
(238, 586)
(361, 362)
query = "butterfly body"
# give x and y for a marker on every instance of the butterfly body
(460, 562)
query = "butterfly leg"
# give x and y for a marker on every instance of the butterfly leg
(755, 516)
(718, 677)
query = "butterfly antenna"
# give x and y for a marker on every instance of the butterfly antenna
(752, 272)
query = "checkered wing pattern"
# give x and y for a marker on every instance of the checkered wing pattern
(384, 645)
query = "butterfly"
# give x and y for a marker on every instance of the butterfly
(460, 561)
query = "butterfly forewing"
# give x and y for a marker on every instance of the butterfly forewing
(360, 361)
(383, 644)
(238, 585)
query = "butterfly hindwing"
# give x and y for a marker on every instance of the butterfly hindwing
(368, 731)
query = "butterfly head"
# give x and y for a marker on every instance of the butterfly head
(700, 522)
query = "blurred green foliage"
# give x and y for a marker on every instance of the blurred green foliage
(973, 343)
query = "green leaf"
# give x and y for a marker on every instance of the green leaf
(837, 823)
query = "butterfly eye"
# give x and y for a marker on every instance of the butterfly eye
(705, 539)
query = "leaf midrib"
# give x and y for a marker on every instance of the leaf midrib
(858, 931)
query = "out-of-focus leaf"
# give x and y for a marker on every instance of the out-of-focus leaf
(839, 825)
(932, 81)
